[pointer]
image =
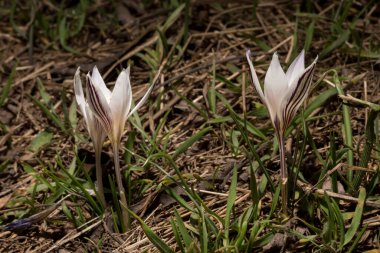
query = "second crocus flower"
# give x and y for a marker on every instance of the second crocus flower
(283, 94)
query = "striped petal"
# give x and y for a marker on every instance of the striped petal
(99, 105)
(297, 93)
(95, 128)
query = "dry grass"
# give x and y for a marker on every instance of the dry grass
(218, 36)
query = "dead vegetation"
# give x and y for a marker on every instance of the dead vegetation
(188, 119)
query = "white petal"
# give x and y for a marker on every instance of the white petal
(254, 78)
(142, 101)
(79, 95)
(97, 79)
(121, 100)
(275, 88)
(296, 68)
(99, 105)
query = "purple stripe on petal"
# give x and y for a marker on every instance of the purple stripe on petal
(299, 94)
(96, 106)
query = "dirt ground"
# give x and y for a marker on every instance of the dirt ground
(39, 57)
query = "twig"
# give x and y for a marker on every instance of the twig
(309, 188)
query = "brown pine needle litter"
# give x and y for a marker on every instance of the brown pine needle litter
(190, 156)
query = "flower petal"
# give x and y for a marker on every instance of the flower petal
(98, 81)
(254, 78)
(296, 68)
(121, 100)
(275, 89)
(98, 105)
(297, 93)
(95, 129)
(79, 95)
(142, 101)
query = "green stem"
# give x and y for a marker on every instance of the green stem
(99, 175)
(283, 174)
(123, 200)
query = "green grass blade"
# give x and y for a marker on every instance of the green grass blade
(52, 116)
(230, 204)
(204, 234)
(347, 128)
(7, 87)
(176, 235)
(152, 236)
(355, 223)
(182, 230)
(370, 137)
(190, 141)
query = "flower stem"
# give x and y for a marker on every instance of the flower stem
(99, 175)
(123, 200)
(284, 174)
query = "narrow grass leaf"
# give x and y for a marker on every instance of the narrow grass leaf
(357, 240)
(309, 35)
(275, 199)
(347, 128)
(73, 119)
(343, 37)
(370, 138)
(204, 234)
(172, 18)
(161, 245)
(7, 88)
(42, 91)
(340, 223)
(182, 230)
(52, 116)
(355, 223)
(41, 140)
(190, 141)
(177, 235)
(211, 92)
(230, 203)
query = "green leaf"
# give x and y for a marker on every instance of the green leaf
(230, 204)
(7, 87)
(42, 139)
(186, 144)
(182, 230)
(161, 245)
(355, 223)
(51, 115)
(41, 89)
(172, 18)
(336, 43)
(73, 115)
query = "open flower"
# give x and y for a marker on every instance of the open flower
(283, 92)
(95, 129)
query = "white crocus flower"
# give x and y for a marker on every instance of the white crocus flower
(95, 129)
(112, 109)
(283, 94)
